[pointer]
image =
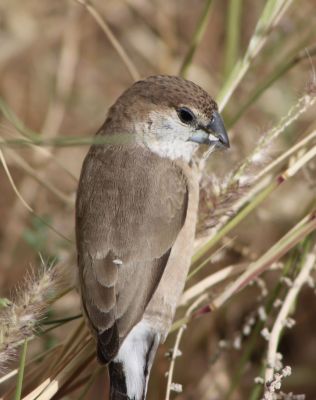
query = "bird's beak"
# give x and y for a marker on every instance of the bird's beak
(214, 133)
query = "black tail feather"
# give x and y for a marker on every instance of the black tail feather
(108, 345)
(118, 390)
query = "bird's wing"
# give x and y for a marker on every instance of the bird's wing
(131, 205)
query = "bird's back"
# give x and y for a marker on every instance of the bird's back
(131, 206)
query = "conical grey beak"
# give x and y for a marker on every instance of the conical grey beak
(216, 127)
(214, 133)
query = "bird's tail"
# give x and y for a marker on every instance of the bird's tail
(129, 371)
(118, 389)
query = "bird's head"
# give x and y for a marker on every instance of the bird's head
(169, 115)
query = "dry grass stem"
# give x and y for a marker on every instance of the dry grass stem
(209, 281)
(115, 43)
(175, 350)
(272, 13)
(285, 311)
(39, 152)
(196, 38)
(65, 75)
(20, 161)
(50, 386)
(259, 153)
(294, 149)
(61, 65)
(25, 204)
(228, 195)
(294, 236)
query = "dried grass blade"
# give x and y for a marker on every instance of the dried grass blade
(19, 384)
(115, 43)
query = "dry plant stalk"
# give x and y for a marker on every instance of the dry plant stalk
(55, 115)
(21, 198)
(285, 310)
(271, 15)
(229, 194)
(36, 296)
(175, 352)
(113, 40)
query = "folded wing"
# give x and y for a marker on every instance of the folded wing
(131, 205)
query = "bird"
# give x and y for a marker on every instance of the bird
(136, 211)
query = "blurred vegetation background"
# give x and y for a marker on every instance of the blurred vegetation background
(61, 67)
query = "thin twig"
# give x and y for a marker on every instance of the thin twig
(302, 105)
(19, 385)
(196, 38)
(65, 75)
(39, 356)
(210, 281)
(272, 12)
(222, 229)
(285, 311)
(67, 141)
(252, 343)
(50, 386)
(39, 151)
(20, 161)
(175, 350)
(299, 145)
(295, 235)
(115, 43)
(277, 73)
(26, 205)
(232, 35)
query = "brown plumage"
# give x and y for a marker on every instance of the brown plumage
(115, 227)
(135, 220)
(160, 90)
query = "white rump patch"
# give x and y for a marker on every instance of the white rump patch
(132, 355)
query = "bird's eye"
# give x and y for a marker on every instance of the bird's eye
(186, 115)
